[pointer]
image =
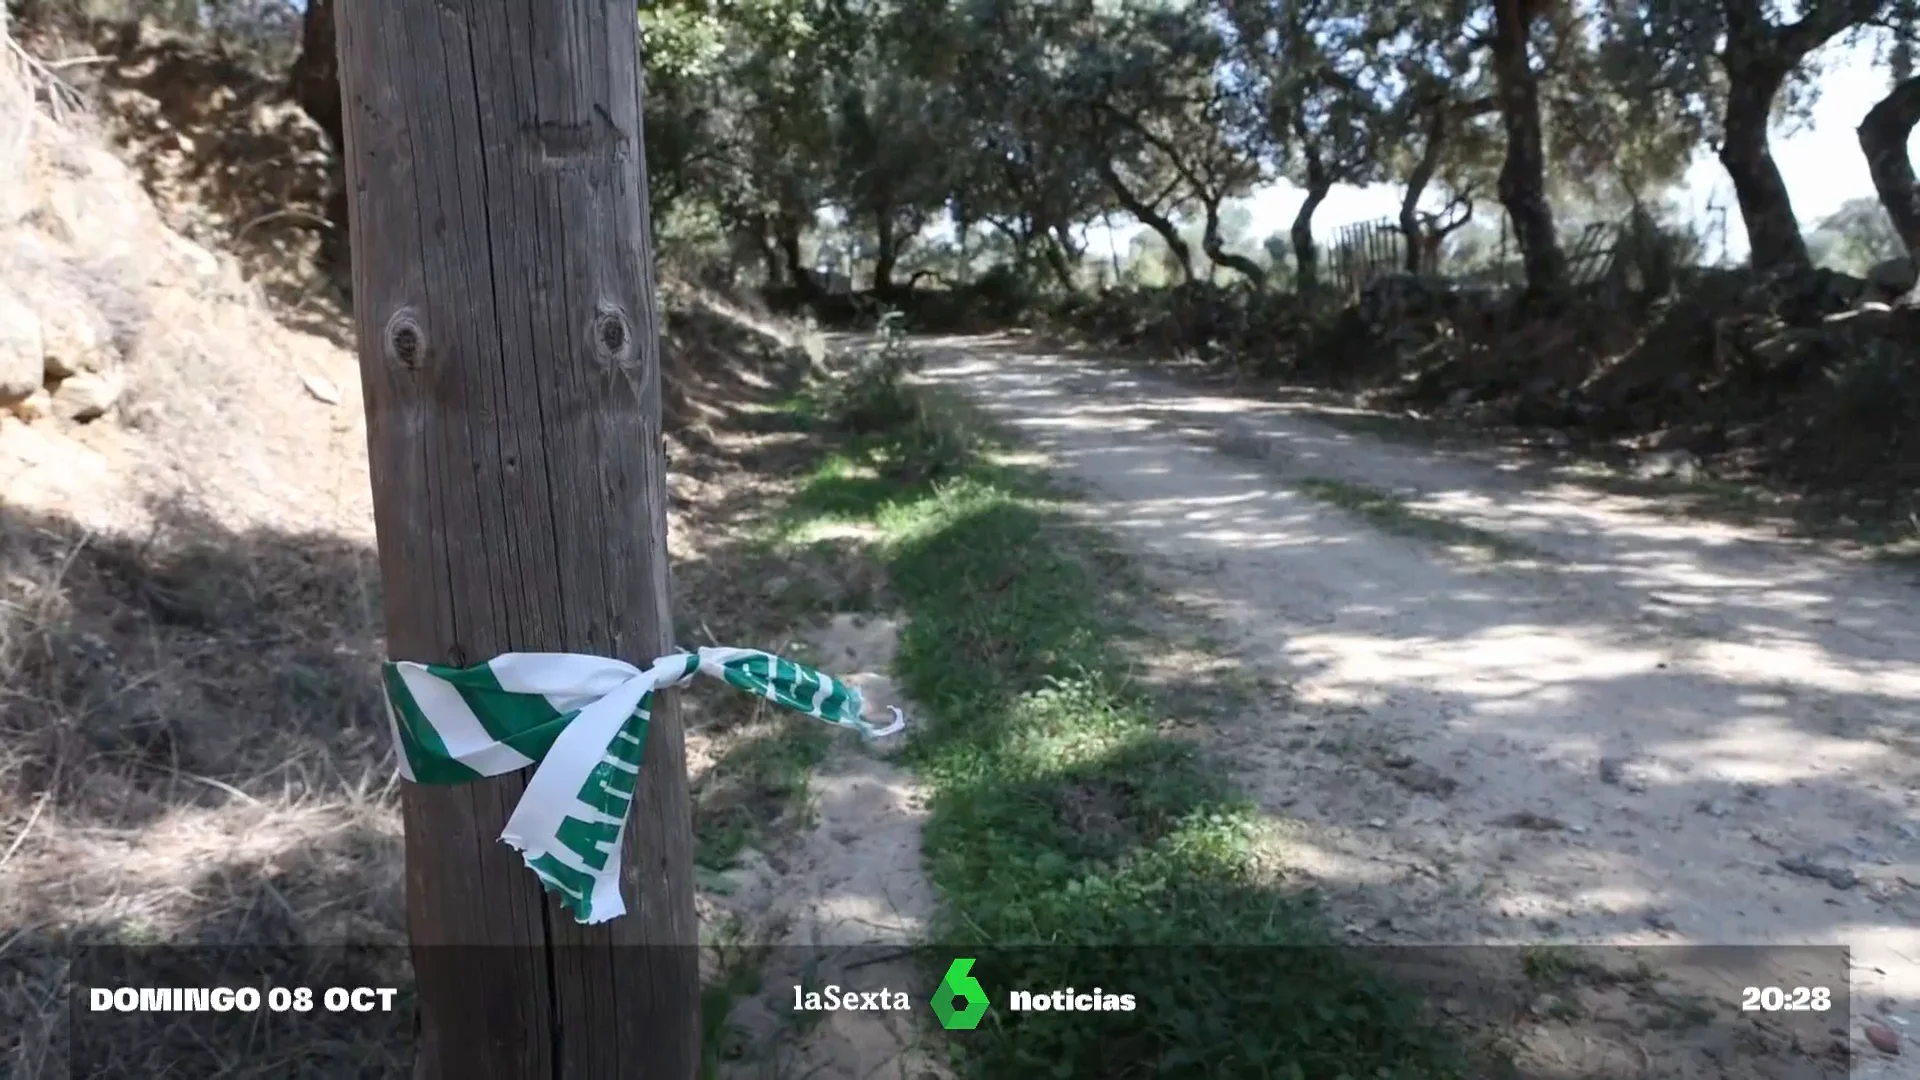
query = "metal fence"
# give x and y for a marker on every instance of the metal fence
(1365, 251)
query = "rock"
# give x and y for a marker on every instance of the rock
(1871, 315)
(1830, 290)
(22, 362)
(1527, 819)
(88, 397)
(204, 263)
(1415, 776)
(1678, 464)
(1551, 1006)
(321, 389)
(104, 165)
(1894, 277)
(1790, 346)
(99, 218)
(1837, 876)
(35, 406)
(1885, 1040)
(75, 338)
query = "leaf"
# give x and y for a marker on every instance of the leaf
(714, 881)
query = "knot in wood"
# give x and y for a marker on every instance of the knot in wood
(406, 341)
(612, 336)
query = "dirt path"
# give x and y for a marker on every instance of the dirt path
(834, 905)
(1617, 729)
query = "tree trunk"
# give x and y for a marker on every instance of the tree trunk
(1773, 233)
(1417, 181)
(1306, 257)
(963, 255)
(314, 82)
(770, 264)
(1148, 216)
(1523, 177)
(1058, 263)
(1883, 138)
(786, 236)
(886, 255)
(1757, 59)
(314, 78)
(1216, 248)
(1063, 257)
(759, 233)
(509, 357)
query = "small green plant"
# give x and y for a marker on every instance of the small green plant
(871, 396)
(1549, 963)
(873, 403)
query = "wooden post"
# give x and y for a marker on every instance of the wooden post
(508, 339)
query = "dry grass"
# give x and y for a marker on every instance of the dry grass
(191, 751)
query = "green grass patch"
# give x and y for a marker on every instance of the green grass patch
(1390, 513)
(1073, 845)
(1707, 497)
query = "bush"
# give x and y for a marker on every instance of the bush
(1258, 328)
(1877, 388)
(872, 401)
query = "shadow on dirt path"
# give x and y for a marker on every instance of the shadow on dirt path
(1615, 727)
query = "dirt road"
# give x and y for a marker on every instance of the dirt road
(1521, 710)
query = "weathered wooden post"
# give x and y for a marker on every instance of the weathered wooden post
(504, 301)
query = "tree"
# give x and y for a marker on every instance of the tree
(1523, 179)
(314, 78)
(1161, 123)
(505, 311)
(1883, 138)
(1018, 149)
(314, 81)
(1856, 236)
(1298, 58)
(888, 159)
(1884, 133)
(1435, 131)
(1732, 63)
(1618, 136)
(1760, 53)
(769, 155)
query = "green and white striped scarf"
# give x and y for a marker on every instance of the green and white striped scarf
(580, 722)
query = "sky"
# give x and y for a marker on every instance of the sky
(1821, 162)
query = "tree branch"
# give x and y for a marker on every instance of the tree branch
(1823, 20)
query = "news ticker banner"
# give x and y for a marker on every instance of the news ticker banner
(350, 1010)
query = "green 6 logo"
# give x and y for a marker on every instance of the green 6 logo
(957, 984)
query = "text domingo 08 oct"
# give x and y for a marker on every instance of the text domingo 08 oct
(298, 999)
